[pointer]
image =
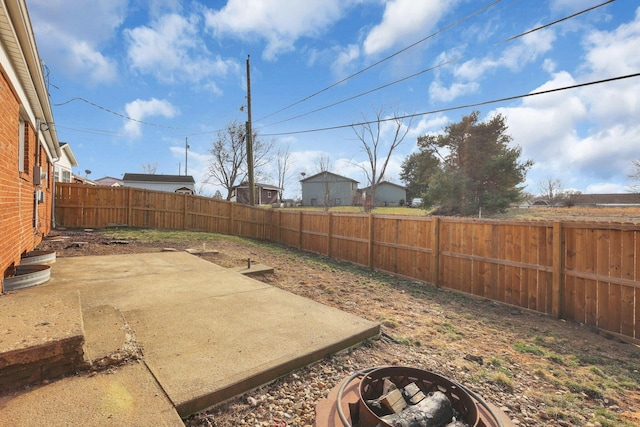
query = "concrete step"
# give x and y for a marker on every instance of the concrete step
(42, 339)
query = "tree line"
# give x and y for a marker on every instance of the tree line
(469, 168)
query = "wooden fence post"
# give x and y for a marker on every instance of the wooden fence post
(558, 267)
(231, 219)
(371, 237)
(329, 234)
(129, 208)
(435, 248)
(300, 231)
(184, 212)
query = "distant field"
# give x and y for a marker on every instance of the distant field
(631, 214)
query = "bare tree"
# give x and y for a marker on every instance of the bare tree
(551, 190)
(283, 159)
(228, 163)
(149, 168)
(324, 166)
(379, 147)
(634, 177)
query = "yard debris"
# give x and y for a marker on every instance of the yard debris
(473, 358)
(76, 245)
(116, 242)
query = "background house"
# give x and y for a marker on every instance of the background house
(265, 194)
(329, 189)
(169, 183)
(388, 194)
(63, 167)
(109, 181)
(28, 140)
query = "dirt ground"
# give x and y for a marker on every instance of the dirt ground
(538, 370)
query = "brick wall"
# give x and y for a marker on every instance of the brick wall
(17, 191)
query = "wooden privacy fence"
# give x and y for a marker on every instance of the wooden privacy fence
(78, 205)
(588, 272)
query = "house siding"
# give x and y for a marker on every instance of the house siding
(389, 195)
(341, 191)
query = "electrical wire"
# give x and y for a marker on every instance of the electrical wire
(426, 70)
(375, 64)
(356, 74)
(556, 22)
(363, 93)
(459, 107)
(79, 98)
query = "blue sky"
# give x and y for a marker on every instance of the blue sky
(179, 67)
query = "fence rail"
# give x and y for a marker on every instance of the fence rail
(587, 272)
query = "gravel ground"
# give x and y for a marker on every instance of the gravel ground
(538, 370)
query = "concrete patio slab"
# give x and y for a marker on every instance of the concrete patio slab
(206, 333)
(128, 396)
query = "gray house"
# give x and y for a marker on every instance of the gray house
(387, 194)
(329, 189)
(169, 183)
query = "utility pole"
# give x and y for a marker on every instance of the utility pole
(252, 185)
(186, 155)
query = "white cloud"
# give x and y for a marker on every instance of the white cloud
(528, 49)
(605, 188)
(404, 21)
(587, 135)
(140, 110)
(75, 31)
(438, 92)
(345, 61)
(279, 22)
(172, 51)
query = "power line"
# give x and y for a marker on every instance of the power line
(79, 98)
(423, 71)
(557, 21)
(459, 107)
(375, 64)
(365, 93)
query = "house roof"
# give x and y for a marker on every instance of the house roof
(258, 185)
(386, 183)
(108, 178)
(66, 149)
(143, 177)
(607, 199)
(340, 177)
(16, 33)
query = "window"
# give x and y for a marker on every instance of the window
(338, 202)
(23, 140)
(268, 194)
(66, 176)
(56, 175)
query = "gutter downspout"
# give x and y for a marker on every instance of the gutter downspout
(53, 193)
(35, 167)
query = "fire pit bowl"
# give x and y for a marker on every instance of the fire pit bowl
(371, 387)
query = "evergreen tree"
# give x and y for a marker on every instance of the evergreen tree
(476, 169)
